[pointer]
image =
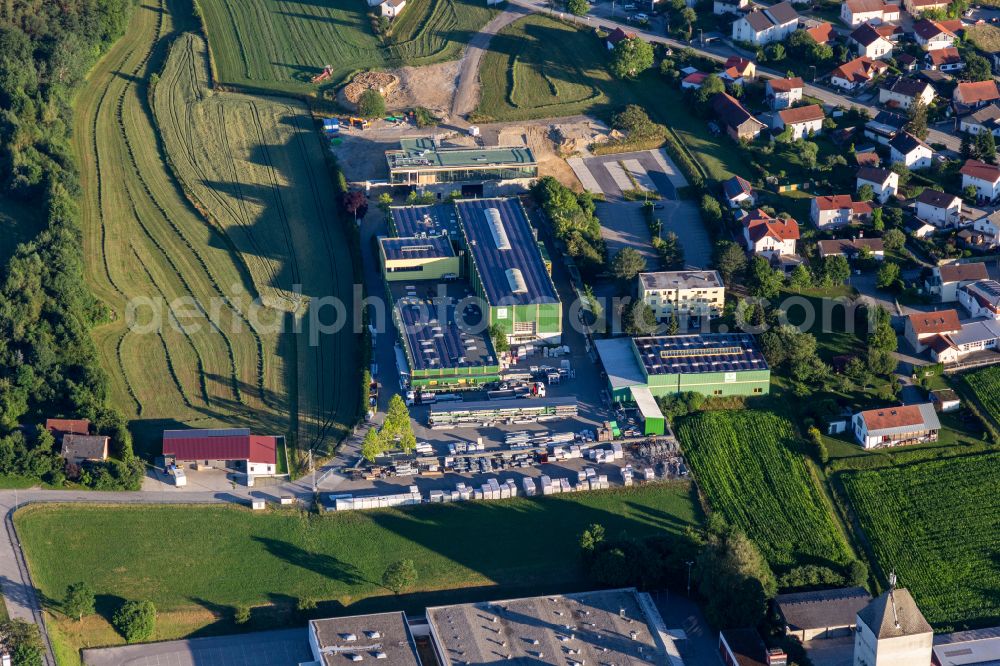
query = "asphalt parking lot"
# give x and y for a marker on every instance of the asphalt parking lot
(287, 647)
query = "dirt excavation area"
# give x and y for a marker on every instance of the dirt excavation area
(361, 153)
(430, 86)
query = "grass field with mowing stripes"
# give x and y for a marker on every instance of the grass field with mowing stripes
(747, 466)
(188, 559)
(936, 524)
(280, 44)
(247, 167)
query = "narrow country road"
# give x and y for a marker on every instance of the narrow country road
(598, 17)
(467, 92)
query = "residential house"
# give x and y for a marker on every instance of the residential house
(947, 59)
(918, 7)
(945, 281)
(738, 191)
(938, 208)
(233, 449)
(768, 236)
(821, 613)
(867, 157)
(987, 230)
(891, 630)
(906, 62)
(982, 176)
(931, 35)
(911, 151)
(683, 293)
(856, 73)
(884, 182)
(78, 449)
(901, 92)
(693, 80)
(919, 228)
(722, 7)
(896, 426)
(392, 8)
(852, 248)
(922, 327)
(803, 121)
(869, 42)
(617, 35)
(62, 427)
(986, 119)
(766, 24)
(740, 124)
(885, 126)
(975, 336)
(971, 95)
(856, 12)
(821, 33)
(783, 93)
(744, 647)
(981, 299)
(838, 210)
(738, 70)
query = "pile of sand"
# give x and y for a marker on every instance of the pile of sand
(383, 82)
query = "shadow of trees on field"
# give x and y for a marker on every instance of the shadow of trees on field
(320, 563)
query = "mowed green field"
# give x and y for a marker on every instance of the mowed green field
(747, 466)
(186, 558)
(280, 44)
(538, 67)
(264, 220)
(936, 524)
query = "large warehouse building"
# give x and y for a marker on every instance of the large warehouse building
(420, 162)
(453, 271)
(713, 364)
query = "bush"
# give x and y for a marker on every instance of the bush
(371, 104)
(241, 615)
(135, 620)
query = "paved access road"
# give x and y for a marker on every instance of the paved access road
(599, 16)
(264, 648)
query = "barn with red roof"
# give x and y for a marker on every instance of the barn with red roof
(234, 450)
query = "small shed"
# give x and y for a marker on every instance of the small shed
(392, 8)
(258, 504)
(945, 400)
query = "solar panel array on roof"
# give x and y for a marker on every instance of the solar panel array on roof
(445, 342)
(417, 248)
(422, 221)
(492, 260)
(692, 354)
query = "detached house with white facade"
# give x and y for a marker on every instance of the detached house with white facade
(938, 208)
(870, 42)
(839, 210)
(982, 176)
(884, 182)
(896, 426)
(856, 12)
(802, 121)
(911, 151)
(768, 236)
(902, 92)
(945, 281)
(766, 24)
(783, 93)
(931, 35)
(857, 73)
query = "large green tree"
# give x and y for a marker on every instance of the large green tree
(135, 620)
(79, 600)
(399, 576)
(627, 264)
(631, 57)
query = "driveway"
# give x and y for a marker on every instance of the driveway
(831, 651)
(288, 647)
(647, 170)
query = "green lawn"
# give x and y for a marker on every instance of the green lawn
(936, 524)
(188, 558)
(539, 67)
(280, 44)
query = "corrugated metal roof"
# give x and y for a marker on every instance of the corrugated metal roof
(198, 446)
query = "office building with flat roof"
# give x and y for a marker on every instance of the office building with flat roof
(683, 293)
(381, 637)
(421, 162)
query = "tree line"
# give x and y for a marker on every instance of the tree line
(48, 362)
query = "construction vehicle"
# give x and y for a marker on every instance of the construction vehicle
(360, 123)
(324, 75)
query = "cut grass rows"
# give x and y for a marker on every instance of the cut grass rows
(280, 44)
(150, 242)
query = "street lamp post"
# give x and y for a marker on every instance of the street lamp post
(689, 563)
